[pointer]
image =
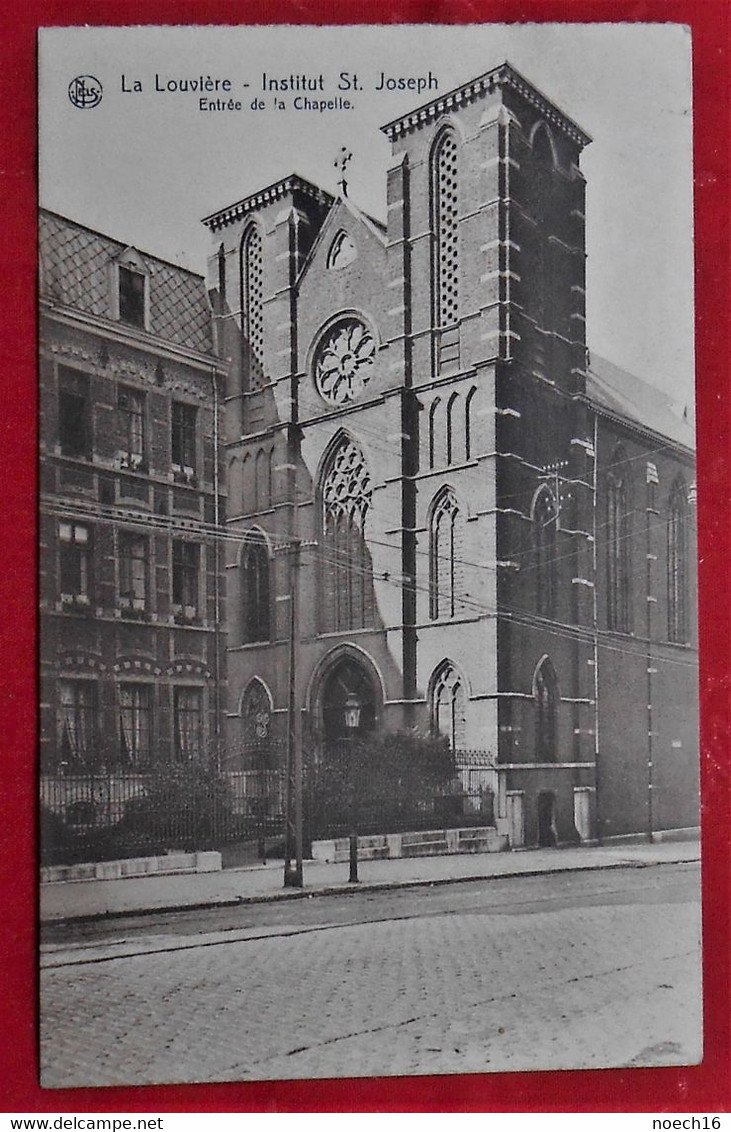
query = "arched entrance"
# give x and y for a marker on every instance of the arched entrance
(346, 679)
(333, 771)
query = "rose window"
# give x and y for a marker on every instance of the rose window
(344, 361)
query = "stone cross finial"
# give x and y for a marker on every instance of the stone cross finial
(340, 163)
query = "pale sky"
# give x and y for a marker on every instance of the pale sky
(146, 166)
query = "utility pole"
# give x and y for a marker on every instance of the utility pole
(293, 876)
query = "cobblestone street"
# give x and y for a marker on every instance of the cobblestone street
(452, 989)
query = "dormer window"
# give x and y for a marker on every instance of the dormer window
(131, 296)
(129, 282)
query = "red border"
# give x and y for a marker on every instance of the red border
(700, 1088)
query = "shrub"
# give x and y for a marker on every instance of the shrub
(185, 806)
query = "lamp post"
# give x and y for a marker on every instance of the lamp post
(352, 722)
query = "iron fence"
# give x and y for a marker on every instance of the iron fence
(241, 797)
(105, 815)
(341, 787)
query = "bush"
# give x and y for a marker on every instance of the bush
(395, 777)
(186, 806)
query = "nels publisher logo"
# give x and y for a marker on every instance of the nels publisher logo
(85, 92)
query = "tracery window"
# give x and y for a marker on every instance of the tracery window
(545, 520)
(677, 621)
(545, 691)
(448, 705)
(255, 588)
(444, 227)
(348, 601)
(255, 713)
(619, 548)
(252, 308)
(443, 556)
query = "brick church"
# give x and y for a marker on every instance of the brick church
(428, 497)
(488, 536)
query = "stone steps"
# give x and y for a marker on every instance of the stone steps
(418, 843)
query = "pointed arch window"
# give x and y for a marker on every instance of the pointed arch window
(677, 540)
(434, 433)
(262, 480)
(448, 705)
(619, 545)
(451, 410)
(342, 252)
(444, 184)
(546, 697)
(347, 595)
(256, 710)
(545, 522)
(443, 550)
(468, 424)
(252, 308)
(255, 568)
(543, 145)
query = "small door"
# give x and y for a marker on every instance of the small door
(547, 838)
(516, 818)
(582, 812)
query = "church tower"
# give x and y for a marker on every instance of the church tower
(486, 230)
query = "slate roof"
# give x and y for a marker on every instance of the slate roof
(624, 395)
(75, 273)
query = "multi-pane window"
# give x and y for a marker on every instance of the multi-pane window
(546, 707)
(188, 723)
(186, 573)
(255, 585)
(73, 415)
(135, 725)
(677, 616)
(252, 307)
(545, 519)
(131, 296)
(448, 704)
(75, 563)
(131, 406)
(444, 227)
(77, 724)
(183, 437)
(443, 556)
(618, 551)
(347, 598)
(132, 571)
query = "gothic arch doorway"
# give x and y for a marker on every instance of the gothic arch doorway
(334, 767)
(347, 677)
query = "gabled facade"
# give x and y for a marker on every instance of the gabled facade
(415, 444)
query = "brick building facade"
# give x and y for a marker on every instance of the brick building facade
(489, 536)
(131, 595)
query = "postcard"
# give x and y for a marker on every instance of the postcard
(369, 687)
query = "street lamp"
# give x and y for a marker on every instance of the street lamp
(352, 722)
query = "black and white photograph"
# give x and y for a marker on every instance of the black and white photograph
(368, 629)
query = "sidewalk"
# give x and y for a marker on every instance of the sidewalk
(76, 899)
